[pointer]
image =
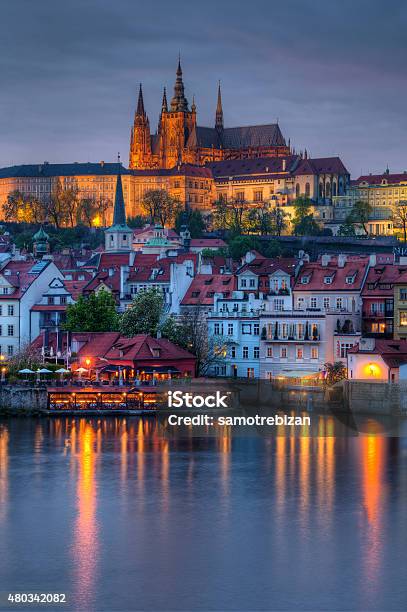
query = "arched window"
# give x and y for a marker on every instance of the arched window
(334, 189)
(307, 190)
(297, 190)
(321, 190)
(340, 187)
(328, 189)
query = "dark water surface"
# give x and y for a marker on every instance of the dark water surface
(119, 515)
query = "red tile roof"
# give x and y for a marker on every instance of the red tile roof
(18, 274)
(75, 287)
(203, 287)
(376, 179)
(208, 243)
(381, 278)
(265, 266)
(150, 268)
(393, 352)
(355, 267)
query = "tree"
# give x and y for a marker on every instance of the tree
(193, 336)
(23, 209)
(138, 221)
(400, 217)
(260, 220)
(347, 228)
(239, 245)
(278, 220)
(58, 205)
(160, 206)
(360, 214)
(193, 219)
(70, 203)
(335, 372)
(232, 215)
(93, 313)
(303, 222)
(144, 314)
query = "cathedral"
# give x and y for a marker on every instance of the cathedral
(180, 140)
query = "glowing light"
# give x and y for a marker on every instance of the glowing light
(372, 370)
(97, 221)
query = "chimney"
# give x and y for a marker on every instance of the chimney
(341, 260)
(325, 259)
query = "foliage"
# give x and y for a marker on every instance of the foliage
(303, 221)
(335, 372)
(360, 214)
(208, 253)
(23, 209)
(144, 314)
(232, 215)
(239, 245)
(400, 217)
(93, 313)
(92, 211)
(270, 248)
(137, 222)
(194, 221)
(27, 357)
(347, 229)
(160, 206)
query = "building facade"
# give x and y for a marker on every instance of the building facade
(179, 138)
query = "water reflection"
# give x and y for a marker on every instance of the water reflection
(218, 508)
(85, 447)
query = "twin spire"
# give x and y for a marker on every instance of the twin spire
(179, 103)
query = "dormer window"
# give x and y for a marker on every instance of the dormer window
(328, 280)
(304, 280)
(156, 352)
(349, 280)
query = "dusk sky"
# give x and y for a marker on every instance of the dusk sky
(332, 72)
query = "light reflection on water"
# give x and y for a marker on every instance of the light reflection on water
(141, 516)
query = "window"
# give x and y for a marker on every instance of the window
(1, 309)
(307, 190)
(284, 330)
(300, 330)
(233, 352)
(5, 290)
(297, 190)
(403, 318)
(326, 303)
(258, 196)
(218, 329)
(328, 280)
(339, 303)
(403, 294)
(240, 196)
(1, 331)
(279, 304)
(304, 280)
(230, 329)
(10, 330)
(63, 299)
(344, 348)
(313, 302)
(283, 352)
(349, 280)
(299, 352)
(252, 282)
(256, 352)
(10, 310)
(245, 352)
(243, 282)
(50, 299)
(10, 350)
(300, 303)
(270, 352)
(256, 329)
(246, 328)
(250, 372)
(314, 352)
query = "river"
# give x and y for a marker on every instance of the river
(123, 514)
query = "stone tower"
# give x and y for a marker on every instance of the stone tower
(140, 139)
(118, 237)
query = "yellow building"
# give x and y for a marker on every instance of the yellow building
(193, 185)
(400, 307)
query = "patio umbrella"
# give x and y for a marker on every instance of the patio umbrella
(26, 371)
(42, 371)
(62, 371)
(81, 371)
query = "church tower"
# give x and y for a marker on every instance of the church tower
(219, 114)
(176, 124)
(118, 237)
(140, 140)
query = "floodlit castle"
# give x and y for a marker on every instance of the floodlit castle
(179, 139)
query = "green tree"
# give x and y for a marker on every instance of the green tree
(23, 209)
(239, 245)
(347, 228)
(360, 214)
(307, 226)
(279, 221)
(232, 215)
(193, 219)
(137, 222)
(160, 206)
(144, 314)
(335, 372)
(93, 313)
(400, 217)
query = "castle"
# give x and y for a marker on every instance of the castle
(179, 139)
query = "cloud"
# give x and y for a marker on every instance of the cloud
(332, 72)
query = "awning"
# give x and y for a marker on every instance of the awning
(297, 374)
(115, 368)
(158, 370)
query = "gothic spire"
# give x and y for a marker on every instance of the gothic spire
(164, 105)
(119, 213)
(140, 104)
(219, 111)
(179, 101)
